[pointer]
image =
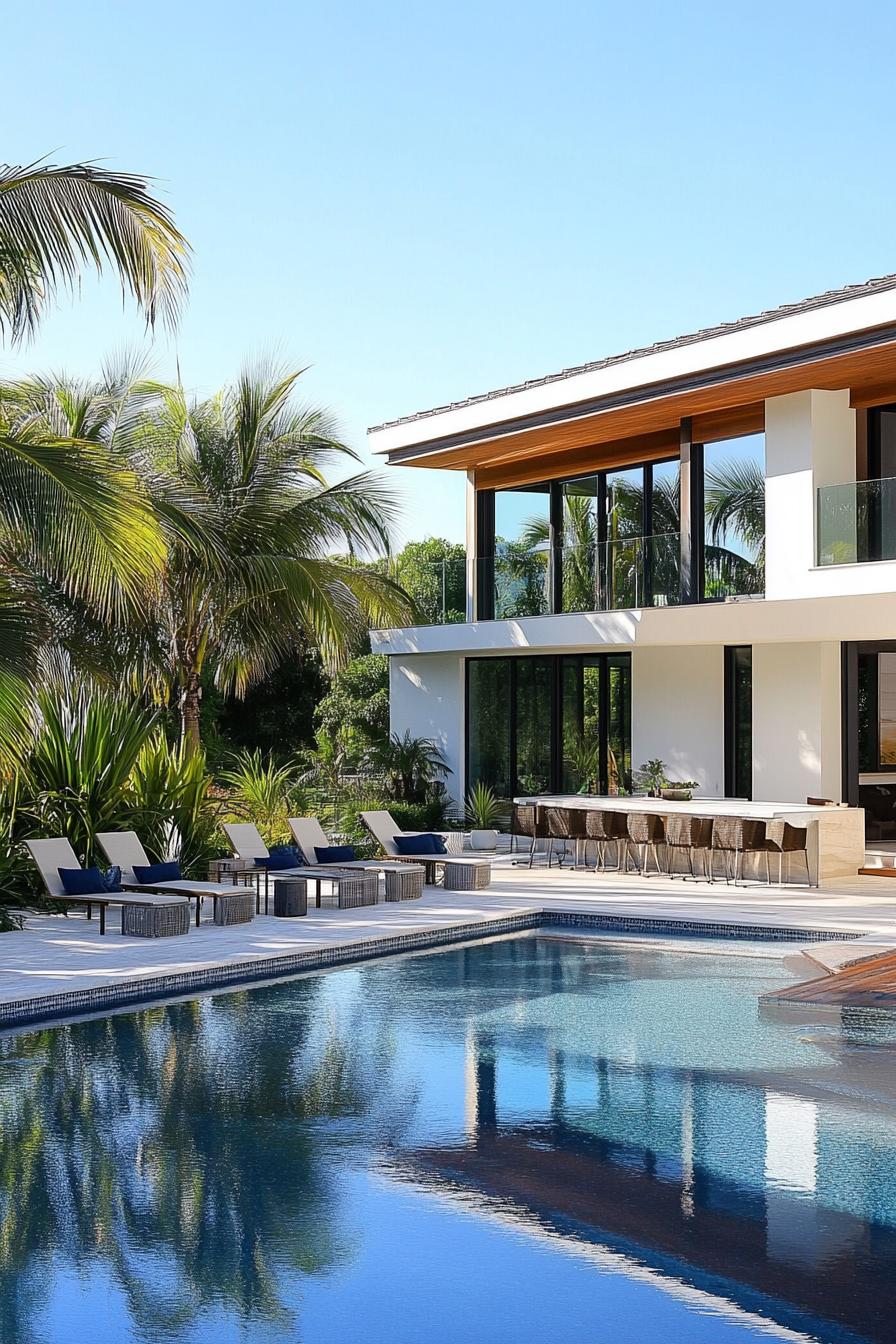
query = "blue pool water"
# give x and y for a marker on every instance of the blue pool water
(533, 1139)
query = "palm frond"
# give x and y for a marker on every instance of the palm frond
(55, 220)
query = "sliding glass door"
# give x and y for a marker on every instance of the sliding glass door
(549, 724)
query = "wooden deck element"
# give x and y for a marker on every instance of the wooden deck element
(867, 983)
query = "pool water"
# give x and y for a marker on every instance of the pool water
(532, 1139)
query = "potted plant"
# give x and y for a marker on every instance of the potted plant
(679, 790)
(483, 812)
(652, 777)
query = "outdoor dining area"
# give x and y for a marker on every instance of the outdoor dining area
(705, 839)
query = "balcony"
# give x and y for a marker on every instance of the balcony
(628, 572)
(856, 522)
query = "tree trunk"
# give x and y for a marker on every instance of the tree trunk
(189, 713)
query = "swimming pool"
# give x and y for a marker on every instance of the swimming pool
(536, 1138)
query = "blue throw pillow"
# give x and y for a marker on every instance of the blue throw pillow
(82, 881)
(420, 844)
(280, 858)
(112, 878)
(157, 872)
(335, 854)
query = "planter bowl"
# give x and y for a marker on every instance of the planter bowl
(483, 839)
(677, 795)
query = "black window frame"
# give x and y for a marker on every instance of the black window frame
(557, 662)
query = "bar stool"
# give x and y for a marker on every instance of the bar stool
(781, 838)
(645, 831)
(523, 822)
(562, 823)
(737, 836)
(688, 835)
(604, 828)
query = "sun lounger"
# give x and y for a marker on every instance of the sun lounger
(124, 849)
(403, 881)
(51, 855)
(248, 844)
(383, 827)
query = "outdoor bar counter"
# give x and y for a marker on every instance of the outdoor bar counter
(836, 835)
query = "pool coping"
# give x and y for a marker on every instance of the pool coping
(149, 988)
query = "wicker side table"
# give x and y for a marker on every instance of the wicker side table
(466, 876)
(290, 897)
(156, 921)
(404, 882)
(354, 889)
(233, 869)
(235, 908)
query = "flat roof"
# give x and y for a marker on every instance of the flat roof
(813, 322)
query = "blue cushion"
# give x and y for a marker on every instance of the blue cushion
(157, 872)
(112, 878)
(82, 881)
(420, 844)
(280, 858)
(335, 854)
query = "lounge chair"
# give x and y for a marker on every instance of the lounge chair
(310, 837)
(51, 855)
(124, 849)
(384, 828)
(247, 843)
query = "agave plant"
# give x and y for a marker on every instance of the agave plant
(482, 807)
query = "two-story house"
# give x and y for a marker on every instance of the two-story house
(686, 552)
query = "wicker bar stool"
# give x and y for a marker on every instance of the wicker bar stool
(781, 838)
(604, 828)
(646, 830)
(562, 823)
(733, 837)
(689, 836)
(524, 824)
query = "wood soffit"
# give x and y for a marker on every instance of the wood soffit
(649, 428)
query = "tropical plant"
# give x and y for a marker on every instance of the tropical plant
(172, 804)
(264, 792)
(482, 807)
(433, 573)
(582, 759)
(56, 220)
(652, 776)
(354, 713)
(411, 765)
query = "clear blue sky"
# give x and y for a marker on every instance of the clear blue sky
(427, 201)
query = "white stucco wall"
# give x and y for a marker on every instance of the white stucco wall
(796, 722)
(678, 713)
(426, 699)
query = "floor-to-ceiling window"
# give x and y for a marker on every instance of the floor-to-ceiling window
(739, 721)
(521, 554)
(540, 724)
(734, 516)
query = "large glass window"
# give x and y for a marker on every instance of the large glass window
(522, 547)
(580, 532)
(663, 533)
(549, 724)
(739, 721)
(734, 516)
(488, 707)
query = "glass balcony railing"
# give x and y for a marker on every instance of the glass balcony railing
(539, 581)
(857, 522)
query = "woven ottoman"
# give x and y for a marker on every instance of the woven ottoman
(235, 908)
(404, 883)
(290, 898)
(354, 889)
(466, 876)
(156, 921)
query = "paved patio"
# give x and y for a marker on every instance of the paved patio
(57, 955)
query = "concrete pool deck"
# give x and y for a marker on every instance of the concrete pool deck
(60, 965)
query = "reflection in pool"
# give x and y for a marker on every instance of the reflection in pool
(526, 1140)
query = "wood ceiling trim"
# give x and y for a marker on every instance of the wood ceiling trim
(866, 370)
(601, 457)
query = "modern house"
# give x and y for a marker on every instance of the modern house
(686, 552)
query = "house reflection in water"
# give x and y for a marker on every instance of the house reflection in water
(772, 1187)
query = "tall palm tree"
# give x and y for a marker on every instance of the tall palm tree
(67, 509)
(258, 544)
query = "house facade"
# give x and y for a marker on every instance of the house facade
(684, 553)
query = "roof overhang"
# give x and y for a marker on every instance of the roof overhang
(850, 342)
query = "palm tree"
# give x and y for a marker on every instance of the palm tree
(55, 221)
(68, 511)
(412, 765)
(235, 483)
